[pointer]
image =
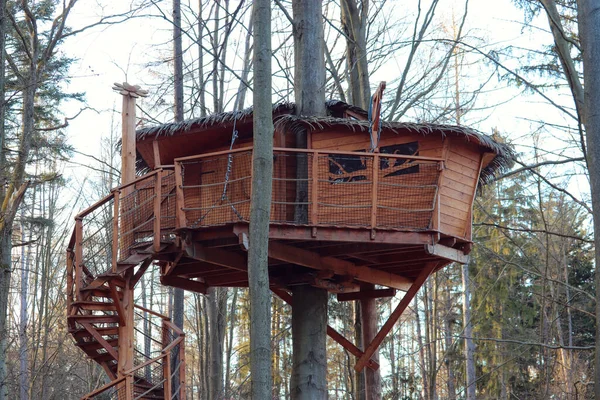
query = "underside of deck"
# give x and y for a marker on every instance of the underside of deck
(335, 259)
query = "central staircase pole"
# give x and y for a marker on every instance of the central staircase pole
(128, 158)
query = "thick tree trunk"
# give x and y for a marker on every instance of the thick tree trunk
(260, 213)
(309, 72)
(589, 33)
(468, 332)
(309, 327)
(309, 314)
(217, 306)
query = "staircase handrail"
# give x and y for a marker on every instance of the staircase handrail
(104, 388)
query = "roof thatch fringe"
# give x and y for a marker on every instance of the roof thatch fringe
(173, 128)
(284, 119)
(334, 108)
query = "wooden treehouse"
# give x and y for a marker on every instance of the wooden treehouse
(368, 209)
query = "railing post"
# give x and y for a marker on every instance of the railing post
(315, 190)
(129, 388)
(78, 256)
(435, 217)
(115, 238)
(374, 190)
(167, 376)
(180, 221)
(182, 368)
(157, 202)
(69, 280)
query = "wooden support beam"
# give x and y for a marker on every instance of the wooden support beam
(117, 302)
(92, 331)
(167, 375)
(216, 256)
(136, 277)
(186, 284)
(313, 260)
(389, 324)
(366, 294)
(287, 232)
(447, 253)
(156, 211)
(332, 333)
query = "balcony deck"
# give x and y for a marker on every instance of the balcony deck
(351, 217)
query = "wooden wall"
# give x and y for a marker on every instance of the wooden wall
(459, 183)
(458, 180)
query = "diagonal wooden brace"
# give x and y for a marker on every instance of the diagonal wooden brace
(332, 333)
(389, 324)
(92, 331)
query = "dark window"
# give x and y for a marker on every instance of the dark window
(343, 168)
(397, 165)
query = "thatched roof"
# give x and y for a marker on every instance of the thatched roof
(335, 108)
(284, 118)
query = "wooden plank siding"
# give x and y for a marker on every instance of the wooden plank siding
(389, 202)
(459, 182)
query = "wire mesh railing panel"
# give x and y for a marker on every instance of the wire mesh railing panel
(292, 188)
(217, 190)
(136, 216)
(96, 243)
(315, 188)
(116, 392)
(148, 339)
(345, 189)
(406, 193)
(168, 205)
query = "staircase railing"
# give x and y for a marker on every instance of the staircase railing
(140, 213)
(156, 376)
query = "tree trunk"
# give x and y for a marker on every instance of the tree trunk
(217, 306)
(468, 332)
(24, 315)
(309, 327)
(178, 295)
(309, 314)
(260, 213)
(5, 274)
(354, 25)
(369, 330)
(231, 329)
(240, 99)
(359, 376)
(201, 79)
(589, 21)
(309, 72)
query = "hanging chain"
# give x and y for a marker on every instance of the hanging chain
(228, 170)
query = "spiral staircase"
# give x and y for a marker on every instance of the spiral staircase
(112, 245)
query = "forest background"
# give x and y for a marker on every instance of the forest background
(517, 322)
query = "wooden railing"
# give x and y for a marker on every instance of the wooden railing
(312, 187)
(137, 214)
(160, 379)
